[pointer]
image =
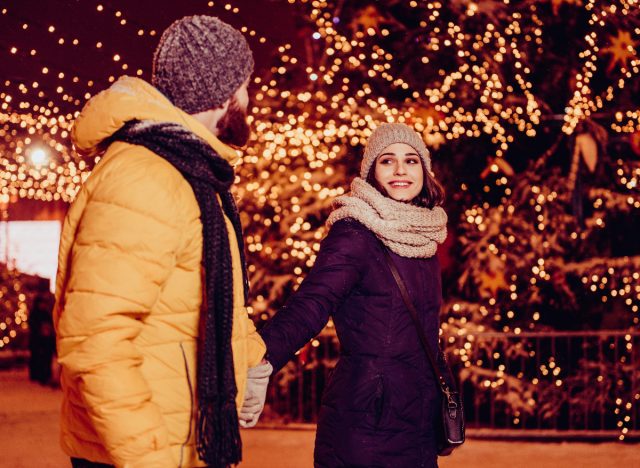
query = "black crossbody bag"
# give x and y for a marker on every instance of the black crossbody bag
(451, 428)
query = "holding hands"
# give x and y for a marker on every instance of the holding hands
(256, 394)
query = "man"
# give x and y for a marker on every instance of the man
(152, 331)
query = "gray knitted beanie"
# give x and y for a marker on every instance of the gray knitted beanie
(200, 62)
(387, 134)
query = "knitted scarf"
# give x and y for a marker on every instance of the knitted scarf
(408, 230)
(218, 436)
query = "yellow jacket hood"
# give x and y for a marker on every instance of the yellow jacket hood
(134, 99)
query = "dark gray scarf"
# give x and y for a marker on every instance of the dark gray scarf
(218, 435)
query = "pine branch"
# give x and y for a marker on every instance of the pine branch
(613, 200)
(598, 264)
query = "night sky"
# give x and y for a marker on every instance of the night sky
(94, 21)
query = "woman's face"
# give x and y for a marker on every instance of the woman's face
(399, 171)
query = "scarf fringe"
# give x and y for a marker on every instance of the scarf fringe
(218, 443)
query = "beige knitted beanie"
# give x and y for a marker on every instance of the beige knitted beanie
(387, 134)
(200, 62)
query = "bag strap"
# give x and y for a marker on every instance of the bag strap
(414, 315)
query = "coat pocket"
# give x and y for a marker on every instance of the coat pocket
(358, 397)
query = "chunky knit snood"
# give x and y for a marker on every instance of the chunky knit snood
(408, 230)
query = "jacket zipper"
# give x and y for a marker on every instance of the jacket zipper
(186, 368)
(379, 401)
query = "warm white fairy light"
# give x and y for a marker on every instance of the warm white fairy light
(626, 122)
(583, 103)
(50, 171)
(16, 323)
(30, 110)
(314, 125)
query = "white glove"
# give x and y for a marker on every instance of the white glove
(256, 394)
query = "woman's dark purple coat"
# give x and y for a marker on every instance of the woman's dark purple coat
(381, 404)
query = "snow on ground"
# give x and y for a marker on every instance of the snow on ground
(29, 422)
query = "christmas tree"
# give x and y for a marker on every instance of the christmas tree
(480, 82)
(532, 112)
(17, 293)
(531, 109)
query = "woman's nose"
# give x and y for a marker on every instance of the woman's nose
(400, 169)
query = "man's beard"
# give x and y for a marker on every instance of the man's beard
(233, 128)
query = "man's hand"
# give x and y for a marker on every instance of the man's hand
(256, 394)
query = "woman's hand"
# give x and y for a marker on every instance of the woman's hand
(256, 394)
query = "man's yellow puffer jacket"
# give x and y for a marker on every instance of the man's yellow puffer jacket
(129, 291)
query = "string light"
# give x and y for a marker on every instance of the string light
(631, 125)
(14, 325)
(584, 103)
(57, 178)
(458, 80)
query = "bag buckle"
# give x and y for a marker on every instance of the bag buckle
(452, 404)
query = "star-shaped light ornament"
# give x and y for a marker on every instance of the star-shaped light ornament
(491, 283)
(622, 49)
(368, 18)
(492, 279)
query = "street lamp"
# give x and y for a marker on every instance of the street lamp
(39, 157)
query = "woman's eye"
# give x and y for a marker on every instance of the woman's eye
(412, 161)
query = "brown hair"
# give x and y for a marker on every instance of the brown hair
(431, 195)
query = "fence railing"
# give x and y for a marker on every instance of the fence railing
(567, 384)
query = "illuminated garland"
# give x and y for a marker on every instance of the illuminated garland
(307, 137)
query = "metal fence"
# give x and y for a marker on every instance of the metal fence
(538, 384)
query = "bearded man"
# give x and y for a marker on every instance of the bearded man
(153, 336)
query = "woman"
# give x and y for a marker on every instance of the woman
(381, 404)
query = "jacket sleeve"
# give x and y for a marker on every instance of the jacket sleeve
(255, 344)
(339, 266)
(124, 249)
